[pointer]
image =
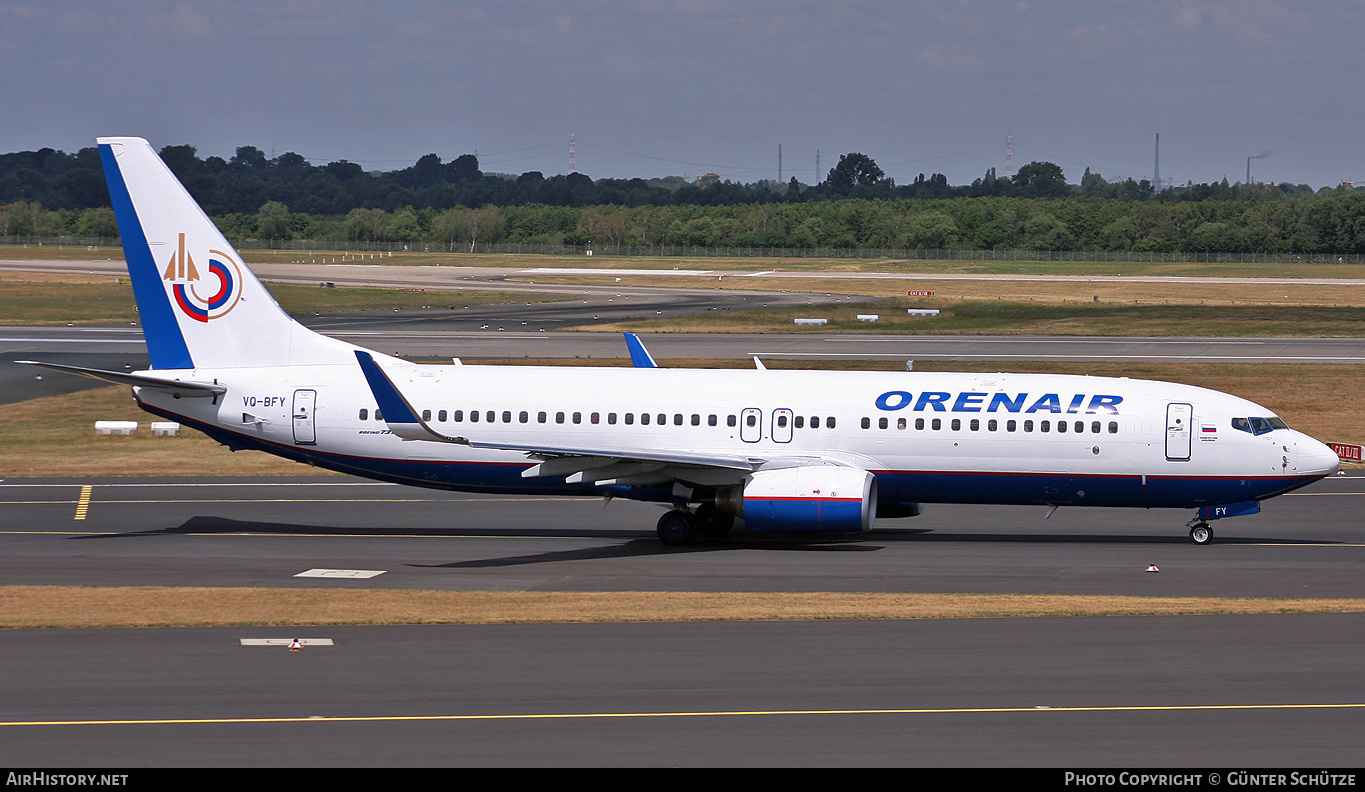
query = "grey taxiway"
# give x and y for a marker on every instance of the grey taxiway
(1278, 690)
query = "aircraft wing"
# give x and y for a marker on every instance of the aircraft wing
(600, 464)
(177, 388)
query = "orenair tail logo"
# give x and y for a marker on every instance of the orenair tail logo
(198, 298)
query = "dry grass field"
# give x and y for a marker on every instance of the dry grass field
(35, 298)
(983, 265)
(92, 607)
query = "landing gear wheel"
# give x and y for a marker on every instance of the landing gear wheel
(712, 521)
(677, 527)
(1201, 534)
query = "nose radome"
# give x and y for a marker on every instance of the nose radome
(1315, 458)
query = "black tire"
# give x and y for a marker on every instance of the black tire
(677, 528)
(1201, 534)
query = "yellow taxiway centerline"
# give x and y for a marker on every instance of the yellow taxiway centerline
(700, 714)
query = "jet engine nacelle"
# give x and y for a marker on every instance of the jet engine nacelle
(815, 498)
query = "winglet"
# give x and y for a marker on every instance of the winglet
(401, 418)
(639, 356)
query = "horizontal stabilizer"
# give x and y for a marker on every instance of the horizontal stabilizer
(178, 388)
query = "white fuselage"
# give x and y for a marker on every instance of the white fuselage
(927, 437)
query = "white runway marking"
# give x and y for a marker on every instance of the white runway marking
(357, 574)
(286, 641)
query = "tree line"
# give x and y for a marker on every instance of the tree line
(252, 196)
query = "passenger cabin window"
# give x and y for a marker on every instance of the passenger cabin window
(426, 415)
(457, 416)
(364, 414)
(441, 416)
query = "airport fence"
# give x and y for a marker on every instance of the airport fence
(720, 251)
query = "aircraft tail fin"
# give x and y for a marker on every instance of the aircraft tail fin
(199, 304)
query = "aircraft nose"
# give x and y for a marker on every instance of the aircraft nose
(1316, 459)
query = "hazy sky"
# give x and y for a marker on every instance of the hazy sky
(654, 88)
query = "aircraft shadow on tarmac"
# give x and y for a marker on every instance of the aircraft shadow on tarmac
(637, 544)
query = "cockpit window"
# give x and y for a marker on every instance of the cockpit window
(1258, 426)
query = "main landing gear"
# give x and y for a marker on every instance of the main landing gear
(682, 527)
(1200, 532)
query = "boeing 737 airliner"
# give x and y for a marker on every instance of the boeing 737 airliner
(799, 451)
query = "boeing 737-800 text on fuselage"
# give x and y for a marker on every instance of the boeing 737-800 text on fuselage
(799, 451)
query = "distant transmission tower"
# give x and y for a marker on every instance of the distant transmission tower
(1009, 155)
(1156, 167)
(572, 169)
(817, 167)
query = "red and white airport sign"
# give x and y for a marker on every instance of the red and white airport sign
(1346, 452)
(920, 293)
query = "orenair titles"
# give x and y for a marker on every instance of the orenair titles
(940, 401)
